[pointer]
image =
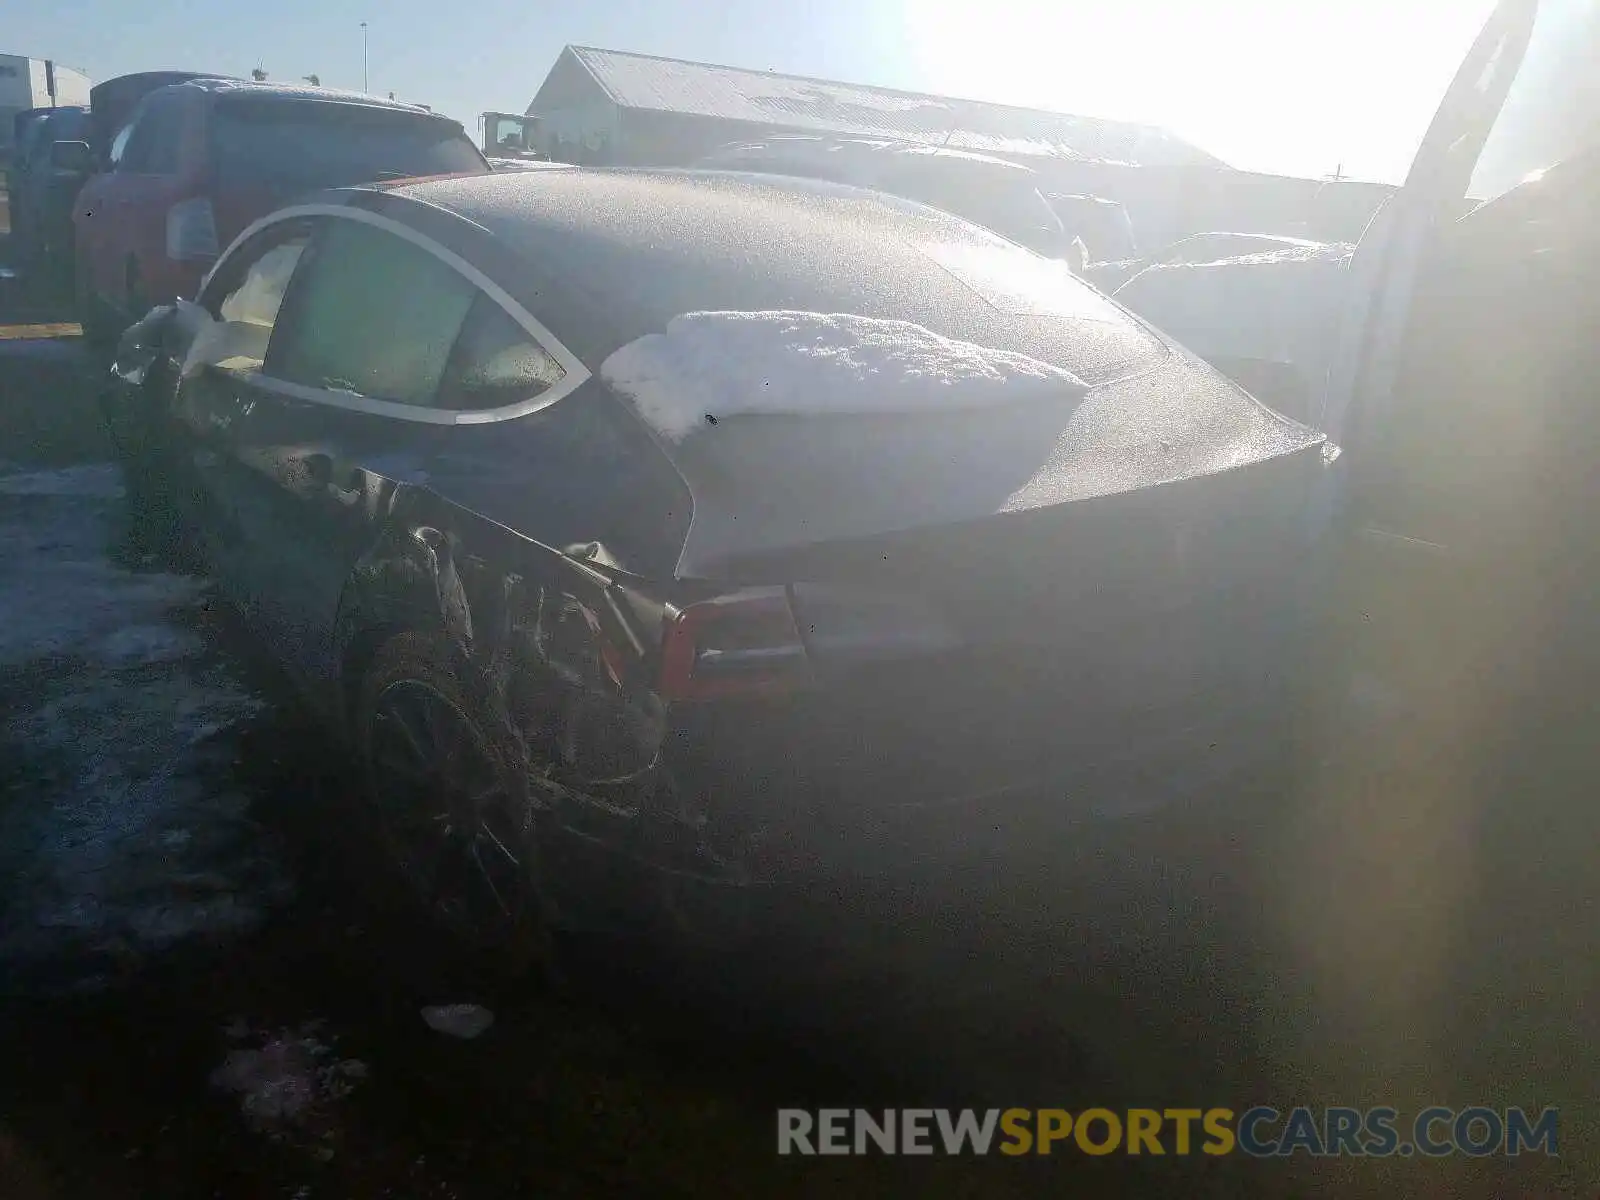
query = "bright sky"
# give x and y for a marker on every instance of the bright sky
(1294, 86)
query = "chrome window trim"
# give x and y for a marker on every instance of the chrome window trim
(576, 373)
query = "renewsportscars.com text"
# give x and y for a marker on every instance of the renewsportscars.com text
(1260, 1132)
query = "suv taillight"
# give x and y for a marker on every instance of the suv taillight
(745, 643)
(191, 231)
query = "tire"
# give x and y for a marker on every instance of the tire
(423, 827)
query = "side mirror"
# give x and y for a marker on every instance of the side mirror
(75, 158)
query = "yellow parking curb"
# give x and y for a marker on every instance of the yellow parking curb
(11, 333)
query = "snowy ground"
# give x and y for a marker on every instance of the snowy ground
(118, 835)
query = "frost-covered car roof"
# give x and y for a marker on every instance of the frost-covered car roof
(1014, 384)
(243, 88)
(638, 248)
(528, 164)
(1000, 195)
(856, 151)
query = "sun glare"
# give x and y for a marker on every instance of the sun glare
(1293, 87)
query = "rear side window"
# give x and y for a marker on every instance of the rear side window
(1014, 209)
(373, 314)
(301, 145)
(495, 362)
(248, 294)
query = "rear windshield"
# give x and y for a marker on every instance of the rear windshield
(1104, 228)
(314, 144)
(1014, 209)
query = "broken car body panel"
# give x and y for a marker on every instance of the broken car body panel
(1134, 569)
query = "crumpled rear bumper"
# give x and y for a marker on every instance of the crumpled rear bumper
(818, 825)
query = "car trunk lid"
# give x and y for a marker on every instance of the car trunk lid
(1035, 648)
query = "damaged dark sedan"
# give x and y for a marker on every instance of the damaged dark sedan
(714, 529)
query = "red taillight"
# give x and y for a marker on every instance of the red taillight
(746, 643)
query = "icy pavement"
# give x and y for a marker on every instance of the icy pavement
(119, 833)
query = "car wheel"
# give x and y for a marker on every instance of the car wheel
(449, 808)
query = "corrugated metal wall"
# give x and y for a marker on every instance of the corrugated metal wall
(577, 120)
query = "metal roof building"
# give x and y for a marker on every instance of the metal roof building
(611, 106)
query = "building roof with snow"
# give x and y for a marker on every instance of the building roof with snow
(646, 83)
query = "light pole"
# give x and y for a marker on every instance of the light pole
(363, 56)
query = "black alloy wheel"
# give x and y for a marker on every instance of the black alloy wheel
(447, 809)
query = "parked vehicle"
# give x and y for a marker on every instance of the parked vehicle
(1110, 274)
(999, 195)
(198, 161)
(16, 150)
(504, 165)
(1100, 223)
(111, 103)
(702, 529)
(509, 136)
(31, 84)
(1265, 311)
(20, 121)
(41, 186)
(1462, 391)
(1451, 358)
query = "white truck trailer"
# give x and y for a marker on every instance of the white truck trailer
(27, 83)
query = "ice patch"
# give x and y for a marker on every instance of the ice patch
(289, 1079)
(464, 1021)
(148, 644)
(120, 833)
(98, 481)
(708, 366)
(59, 592)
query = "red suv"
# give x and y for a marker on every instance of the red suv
(198, 161)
